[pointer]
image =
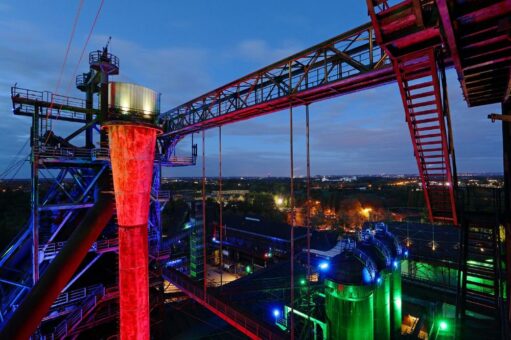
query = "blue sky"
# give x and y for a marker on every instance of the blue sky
(186, 48)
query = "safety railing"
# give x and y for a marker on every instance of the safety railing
(221, 308)
(72, 153)
(96, 57)
(161, 195)
(50, 250)
(46, 97)
(73, 319)
(76, 295)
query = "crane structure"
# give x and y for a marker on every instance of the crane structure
(410, 42)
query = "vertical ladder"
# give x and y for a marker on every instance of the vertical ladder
(480, 284)
(411, 40)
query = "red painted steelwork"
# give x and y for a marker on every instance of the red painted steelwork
(132, 155)
(412, 49)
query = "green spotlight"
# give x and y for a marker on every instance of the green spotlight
(443, 325)
(248, 270)
(303, 282)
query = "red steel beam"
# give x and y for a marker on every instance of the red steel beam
(449, 35)
(363, 81)
(36, 304)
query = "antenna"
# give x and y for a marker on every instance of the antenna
(107, 43)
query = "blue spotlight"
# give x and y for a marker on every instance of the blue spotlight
(406, 253)
(324, 265)
(378, 280)
(276, 313)
(395, 264)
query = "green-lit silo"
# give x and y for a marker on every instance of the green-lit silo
(349, 290)
(383, 260)
(395, 283)
(395, 306)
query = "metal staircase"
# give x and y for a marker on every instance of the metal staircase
(411, 38)
(67, 326)
(241, 321)
(420, 90)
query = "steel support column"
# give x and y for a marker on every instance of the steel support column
(35, 195)
(506, 140)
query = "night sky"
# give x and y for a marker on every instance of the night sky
(186, 48)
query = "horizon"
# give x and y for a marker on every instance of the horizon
(490, 174)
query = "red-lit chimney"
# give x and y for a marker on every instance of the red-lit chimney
(132, 147)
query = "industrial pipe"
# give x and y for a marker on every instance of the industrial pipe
(34, 307)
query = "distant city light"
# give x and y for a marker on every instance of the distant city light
(443, 325)
(276, 313)
(324, 265)
(366, 212)
(378, 280)
(303, 282)
(248, 269)
(395, 264)
(406, 253)
(408, 242)
(188, 225)
(279, 200)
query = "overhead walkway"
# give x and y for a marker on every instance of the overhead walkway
(236, 318)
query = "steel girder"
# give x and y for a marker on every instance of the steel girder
(346, 63)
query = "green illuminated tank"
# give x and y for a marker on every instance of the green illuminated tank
(349, 290)
(395, 306)
(398, 253)
(383, 260)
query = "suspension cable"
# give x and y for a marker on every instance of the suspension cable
(221, 203)
(68, 88)
(68, 48)
(308, 207)
(66, 55)
(70, 84)
(204, 211)
(292, 207)
(15, 160)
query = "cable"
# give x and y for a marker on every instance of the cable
(10, 168)
(292, 206)
(66, 55)
(84, 47)
(17, 170)
(307, 144)
(14, 161)
(221, 202)
(204, 212)
(68, 88)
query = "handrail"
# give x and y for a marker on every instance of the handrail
(50, 250)
(235, 317)
(73, 319)
(75, 295)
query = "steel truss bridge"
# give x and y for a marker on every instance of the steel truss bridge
(409, 42)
